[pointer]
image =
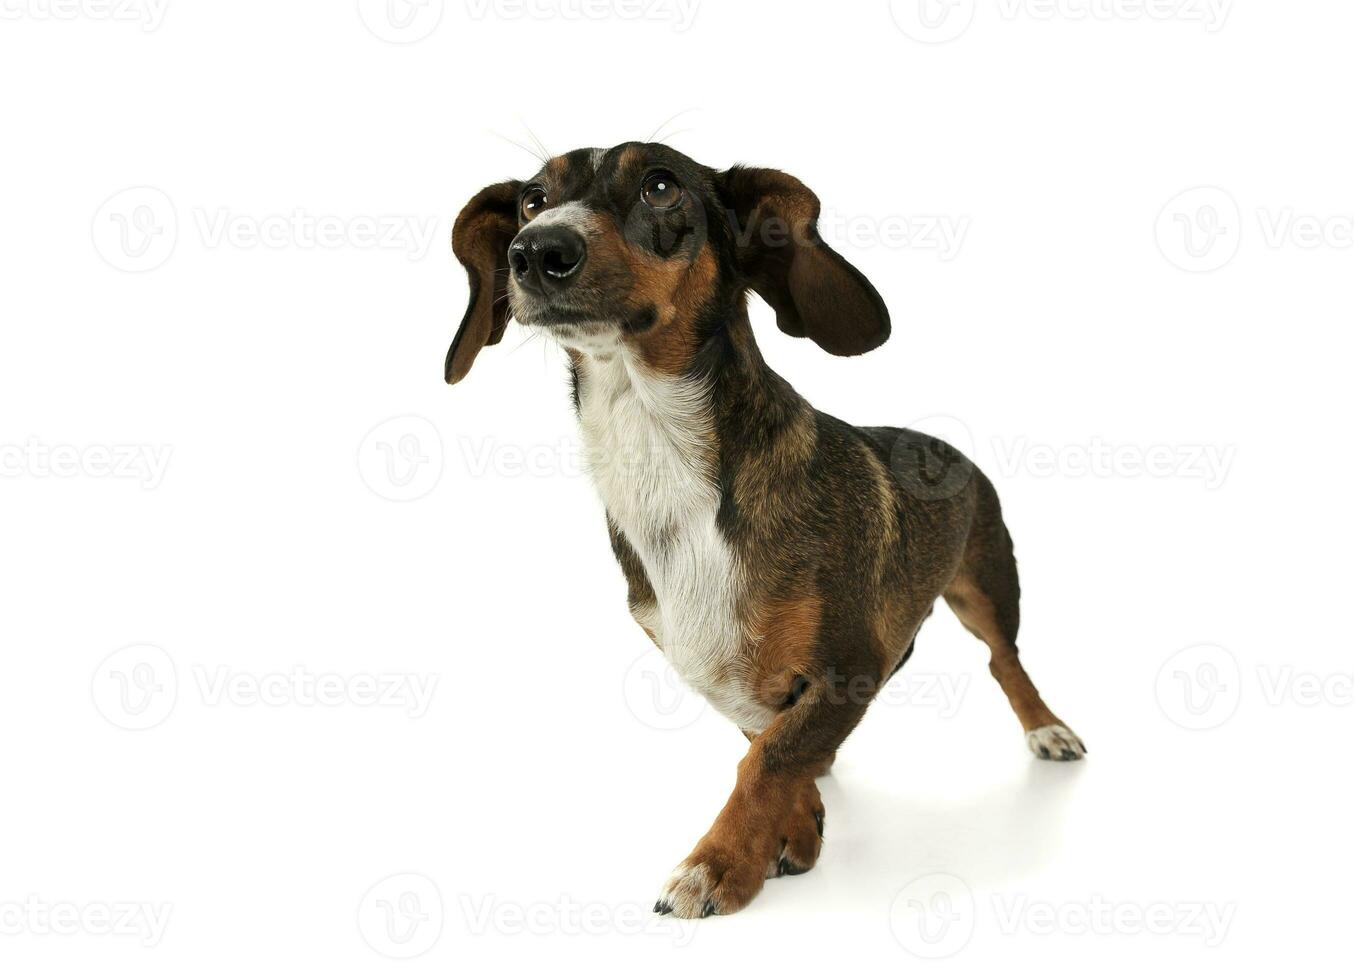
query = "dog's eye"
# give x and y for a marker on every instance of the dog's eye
(661, 190)
(533, 203)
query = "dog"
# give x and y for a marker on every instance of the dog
(781, 559)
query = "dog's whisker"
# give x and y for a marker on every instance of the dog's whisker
(673, 135)
(536, 154)
(532, 334)
(545, 154)
(653, 137)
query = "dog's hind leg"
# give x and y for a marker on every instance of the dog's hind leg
(985, 595)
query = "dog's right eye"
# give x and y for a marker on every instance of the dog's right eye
(533, 203)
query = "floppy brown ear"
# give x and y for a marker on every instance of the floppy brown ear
(815, 292)
(480, 238)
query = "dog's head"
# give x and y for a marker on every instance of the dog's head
(641, 246)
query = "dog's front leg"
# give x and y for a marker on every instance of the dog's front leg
(773, 822)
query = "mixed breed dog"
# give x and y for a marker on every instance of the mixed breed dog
(782, 559)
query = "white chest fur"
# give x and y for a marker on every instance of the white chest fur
(646, 442)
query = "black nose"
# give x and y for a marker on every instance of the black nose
(547, 258)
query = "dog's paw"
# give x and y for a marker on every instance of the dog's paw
(802, 839)
(1055, 742)
(711, 884)
(723, 874)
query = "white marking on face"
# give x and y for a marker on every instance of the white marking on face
(571, 214)
(526, 308)
(646, 440)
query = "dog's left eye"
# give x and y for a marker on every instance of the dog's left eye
(533, 203)
(661, 190)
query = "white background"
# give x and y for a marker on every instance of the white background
(1090, 318)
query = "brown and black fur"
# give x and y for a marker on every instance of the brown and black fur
(845, 536)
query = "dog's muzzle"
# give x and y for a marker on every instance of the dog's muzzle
(547, 260)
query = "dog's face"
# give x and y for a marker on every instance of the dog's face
(641, 246)
(614, 247)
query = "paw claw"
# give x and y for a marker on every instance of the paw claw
(787, 867)
(1055, 742)
(726, 871)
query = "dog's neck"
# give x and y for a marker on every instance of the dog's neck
(725, 375)
(659, 445)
